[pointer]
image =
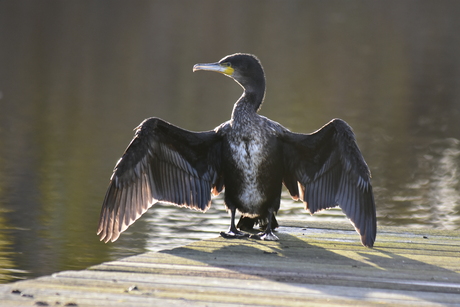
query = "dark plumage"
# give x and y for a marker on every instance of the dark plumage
(251, 156)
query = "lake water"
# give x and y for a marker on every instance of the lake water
(76, 77)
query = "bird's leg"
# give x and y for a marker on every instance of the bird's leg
(233, 232)
(264, 225)
(268, 234)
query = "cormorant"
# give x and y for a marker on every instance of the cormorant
(251, 156)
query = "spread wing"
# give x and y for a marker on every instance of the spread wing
(162, 163)
(326, 169)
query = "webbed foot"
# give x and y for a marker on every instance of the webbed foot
(234, 234)
(248, 223)
(266, 236)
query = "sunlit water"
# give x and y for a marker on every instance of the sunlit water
(170, 227)
(76, 78)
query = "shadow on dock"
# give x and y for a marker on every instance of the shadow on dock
(321, 265)
(333, 262)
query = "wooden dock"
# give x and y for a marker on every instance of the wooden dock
(322, 264)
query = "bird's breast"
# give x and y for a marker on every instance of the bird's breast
(248, 156)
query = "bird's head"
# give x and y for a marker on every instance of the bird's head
(244, 68)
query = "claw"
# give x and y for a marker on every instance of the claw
(234, 234)
(270, 236)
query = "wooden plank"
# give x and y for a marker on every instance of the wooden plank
(323, 264)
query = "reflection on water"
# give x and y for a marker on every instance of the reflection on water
(76, 77)
(432, 196)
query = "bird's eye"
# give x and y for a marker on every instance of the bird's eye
(226, 64)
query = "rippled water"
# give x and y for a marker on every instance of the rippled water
(76, 77)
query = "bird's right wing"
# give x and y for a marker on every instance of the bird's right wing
(162, 163)
(326, 169)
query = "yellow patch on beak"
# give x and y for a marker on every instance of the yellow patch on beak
(218, 67)
(228, 70)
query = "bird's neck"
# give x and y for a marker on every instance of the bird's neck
(249, 103)
(245, 108)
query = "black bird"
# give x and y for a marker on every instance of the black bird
(251, 156)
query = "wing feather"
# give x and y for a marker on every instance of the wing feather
(331, 171)
(162, 163)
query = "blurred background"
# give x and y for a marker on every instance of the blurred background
(76, 77)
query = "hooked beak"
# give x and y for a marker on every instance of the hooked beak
(218, 67)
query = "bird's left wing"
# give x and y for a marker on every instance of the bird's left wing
(162, 163)
(326, 169)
